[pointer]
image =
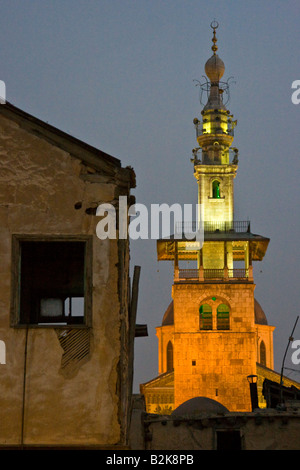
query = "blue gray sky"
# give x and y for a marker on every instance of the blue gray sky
(119, 74)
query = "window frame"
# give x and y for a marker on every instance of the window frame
(216, 321)
(170, 356)
(17, 240)
(263, 353)
(223, 320)
(203, 322)
(216, 186)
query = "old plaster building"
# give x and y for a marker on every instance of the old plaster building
(65, 306)
(214, 334)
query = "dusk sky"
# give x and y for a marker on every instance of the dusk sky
(119, 75)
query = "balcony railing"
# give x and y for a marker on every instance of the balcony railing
(238, 273)
(202, 129)
(214, 274)
(189, 274)
(235, 226)
(227, 157)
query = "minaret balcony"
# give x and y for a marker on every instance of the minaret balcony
(221, 252)
(213, 156)
(232, 226)
(209, 139)
(224, 255)
(207, 129)
(214, 275)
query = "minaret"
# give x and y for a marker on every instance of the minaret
(217, 167)
(214, 329)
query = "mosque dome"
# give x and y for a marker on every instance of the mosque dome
(214, 68)
(198, 405)
(259, 314)
(168, 318)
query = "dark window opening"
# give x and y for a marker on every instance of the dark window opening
(169, 356)
(262, 349)
(229, 440)
(51, 281)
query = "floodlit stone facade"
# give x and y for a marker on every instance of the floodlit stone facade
(214, 363)
(214, 336)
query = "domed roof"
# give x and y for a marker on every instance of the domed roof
(259, 314)
(198, 405)
(168, 318)
(214, 68)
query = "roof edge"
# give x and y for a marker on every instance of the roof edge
(88, 154)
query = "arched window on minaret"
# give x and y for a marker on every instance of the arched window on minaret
(216, 189)
(205, 312)
(223, 317)
(169, 356)
(262, 354)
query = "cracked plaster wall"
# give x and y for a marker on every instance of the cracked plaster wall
(40, 184)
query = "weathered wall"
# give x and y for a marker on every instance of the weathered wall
(41, 403)
(268, 430)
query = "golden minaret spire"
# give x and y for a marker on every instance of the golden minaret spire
(214, 25)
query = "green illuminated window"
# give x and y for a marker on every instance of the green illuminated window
(223, 317)
(216, 189)
(205, 317)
